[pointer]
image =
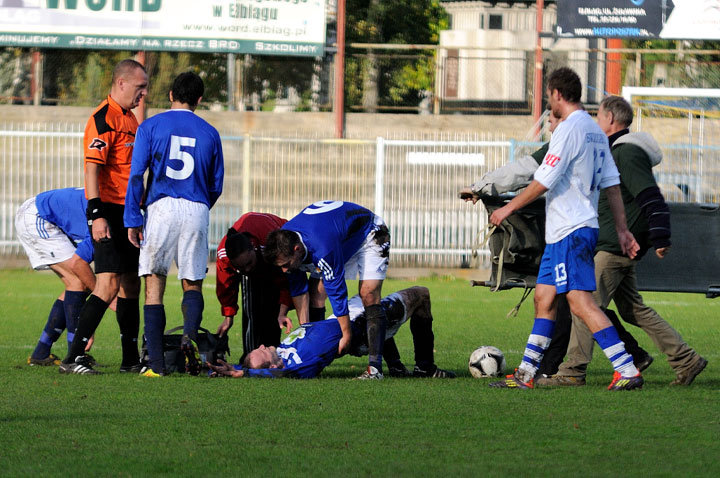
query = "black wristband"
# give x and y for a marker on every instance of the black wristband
(94, 209)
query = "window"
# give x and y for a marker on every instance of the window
(495, 22)
(482, 21)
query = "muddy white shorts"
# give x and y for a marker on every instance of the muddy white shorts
(44, 243)
(175, 230)
(370, 262)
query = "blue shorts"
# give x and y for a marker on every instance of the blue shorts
(569, 264)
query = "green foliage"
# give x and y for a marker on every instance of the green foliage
(401, 80)
(122, 425)
(685, 68)
(92, 77)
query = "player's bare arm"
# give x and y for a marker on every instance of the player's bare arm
(99, 229)
(226, 325)
(344, 345)
(629, 245)
(135, 236)
(526, 196)
(302, 307)
(283, 320)
(224, 369)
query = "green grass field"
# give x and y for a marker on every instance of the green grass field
(120, 425)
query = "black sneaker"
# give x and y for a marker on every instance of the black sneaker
(136, 368)
(644, 362)
(399, 371)
(91, 360)
(192, 364)
(81, 366)
(437, 373)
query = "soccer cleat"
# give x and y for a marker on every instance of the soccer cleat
(399, 372)
(91, 360)
(644, 362)
(81, 366)
(687, 377)
(136, 368)
(192, 364)
(51, 359)
(437, 373)
(371, 374)
(513, 381)
(626, 383)
(148, 372)
(559, 381)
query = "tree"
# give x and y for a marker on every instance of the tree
(394, 80)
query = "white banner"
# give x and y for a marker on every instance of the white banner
(274, 27)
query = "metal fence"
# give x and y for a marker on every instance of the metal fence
(411, 181)
(413, 184)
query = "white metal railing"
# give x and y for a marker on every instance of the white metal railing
(411, 182)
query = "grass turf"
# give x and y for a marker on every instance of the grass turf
(124, 425)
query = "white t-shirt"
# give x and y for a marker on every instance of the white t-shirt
(577, 166)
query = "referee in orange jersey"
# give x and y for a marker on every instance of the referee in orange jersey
(108, 147)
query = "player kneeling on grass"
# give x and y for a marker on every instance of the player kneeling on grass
(53, 231)
(185, 158)
(313, 346)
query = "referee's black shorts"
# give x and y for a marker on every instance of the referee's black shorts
(116, 254)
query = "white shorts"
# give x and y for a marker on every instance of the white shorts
(175, 229)
(45, 244)
(370, 262)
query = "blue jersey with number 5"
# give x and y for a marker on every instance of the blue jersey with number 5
(184, 155)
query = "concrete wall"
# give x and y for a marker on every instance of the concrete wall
(358, 125)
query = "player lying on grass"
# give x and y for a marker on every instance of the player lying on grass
(313, 346)
(53, 231)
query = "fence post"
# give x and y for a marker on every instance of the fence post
(379, 175)
(246, 174)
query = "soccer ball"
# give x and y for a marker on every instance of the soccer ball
(487, 361)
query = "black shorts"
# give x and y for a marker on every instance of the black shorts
(116, 254)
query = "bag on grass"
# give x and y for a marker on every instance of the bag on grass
(210, 349)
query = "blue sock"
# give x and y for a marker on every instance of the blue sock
(74, 301)
(537, 344)
(154, 330)
(52, 331)
(614, 349)
(192, 309)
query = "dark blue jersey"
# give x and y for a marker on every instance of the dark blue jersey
(305, 352)
(66, 209)
(332, 231)
(184, 155)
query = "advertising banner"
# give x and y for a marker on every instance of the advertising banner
(265, 27)
(672, 19)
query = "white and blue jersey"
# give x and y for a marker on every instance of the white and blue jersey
(305, 352)
(66, 209)
(577, 166)
(332, 231)
(184, 155)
